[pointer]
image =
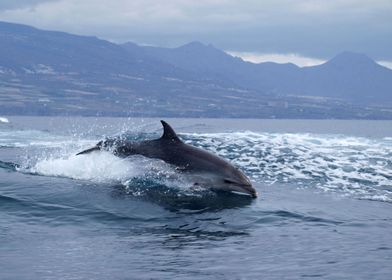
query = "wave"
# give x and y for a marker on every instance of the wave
(37, 138)
(4, 120)
(9, 165)
(352, 166)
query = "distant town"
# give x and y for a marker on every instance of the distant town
(56, 73)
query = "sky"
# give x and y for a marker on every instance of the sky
(305, 32)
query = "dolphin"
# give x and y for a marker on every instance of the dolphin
(205, 168)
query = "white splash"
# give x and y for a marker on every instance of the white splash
(100, 167)
(97, 167)
(4, 120)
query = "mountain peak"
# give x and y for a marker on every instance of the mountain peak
(193, 44)
(351, 59)
(196, 45)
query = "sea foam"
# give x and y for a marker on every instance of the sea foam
(352, 166)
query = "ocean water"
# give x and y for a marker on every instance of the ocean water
(324, 211)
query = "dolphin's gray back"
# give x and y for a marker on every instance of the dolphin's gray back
(184, 156)
(172, 150)
(168, 148)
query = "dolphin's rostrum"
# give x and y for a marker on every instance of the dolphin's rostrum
(204, 167)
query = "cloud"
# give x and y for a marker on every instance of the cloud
(17, 4)
(278, 58)
(296, 59)
(309, 28)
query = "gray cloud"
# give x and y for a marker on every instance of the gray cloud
(308, 27)
(12, 4)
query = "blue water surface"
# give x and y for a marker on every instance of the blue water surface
(324, 211)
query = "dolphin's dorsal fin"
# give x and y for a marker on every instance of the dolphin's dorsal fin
(168, 132)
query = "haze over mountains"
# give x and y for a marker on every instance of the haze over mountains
(51, 73)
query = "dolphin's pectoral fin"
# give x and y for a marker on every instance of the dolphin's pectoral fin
(168, 132)
(96, 148)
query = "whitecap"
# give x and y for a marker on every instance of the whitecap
(354, 166)
(4, 120)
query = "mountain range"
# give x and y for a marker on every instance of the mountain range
(51, 73)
